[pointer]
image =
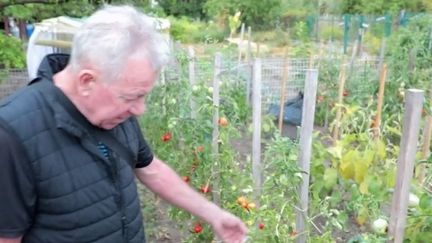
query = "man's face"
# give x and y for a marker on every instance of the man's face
(115, 102)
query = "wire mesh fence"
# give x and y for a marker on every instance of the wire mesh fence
(11, 80)
(362, 75)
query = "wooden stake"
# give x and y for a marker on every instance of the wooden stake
(258, 50)
(192, 81)
(306, 130)
(215, 141)
(377, 121)
(425, 152)
(342, 79)
(249, 39)
(311, 61)
(320, 54)
(282, 91)
(250, 66)
(382, 53)
(405, 164)
(240, 45)
(256, 120)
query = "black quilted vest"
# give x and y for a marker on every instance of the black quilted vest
(81, 195)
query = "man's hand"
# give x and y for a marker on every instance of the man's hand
(162, 180)
(229, 228)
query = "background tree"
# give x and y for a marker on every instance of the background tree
(383, 6)
(260, 14)
(177, 8)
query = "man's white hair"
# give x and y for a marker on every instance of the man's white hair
(113, 35)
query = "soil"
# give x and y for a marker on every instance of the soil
(158, 226)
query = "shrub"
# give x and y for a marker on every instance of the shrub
(372, 44)
(187, 31)
(329, 32)
(11, 52)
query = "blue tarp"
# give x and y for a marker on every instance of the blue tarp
(292, 110)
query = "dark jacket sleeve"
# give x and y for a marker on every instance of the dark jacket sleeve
(145, 154)
(17, 191)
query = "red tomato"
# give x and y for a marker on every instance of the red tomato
(166, 137)
(205, 189)
(197, 228)
(186, 179)
(200, 148)
(345, 93)
(261, 226)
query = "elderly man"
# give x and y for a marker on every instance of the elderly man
(70, 145)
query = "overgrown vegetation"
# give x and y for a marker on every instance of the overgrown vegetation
(11, 52)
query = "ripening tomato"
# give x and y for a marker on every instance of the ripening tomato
(261, 226)
(166, 137)
(245, 205)
(205, 188)
(223, 122)
(251, 205)
(241, 200)
(197, 228)
(345, 93)
(186, 179)
(200, 148)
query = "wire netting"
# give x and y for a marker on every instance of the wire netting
(11, 80)
(362, 76)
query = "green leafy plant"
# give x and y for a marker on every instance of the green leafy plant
(11, 52)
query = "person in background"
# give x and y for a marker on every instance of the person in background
(62, 177)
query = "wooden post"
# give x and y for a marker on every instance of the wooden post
(405, 164)
(382, 53)
(320, 53)
(340, 100)
(250, 66)
(377, 121)
(282, 90)
(240, 46)
(311, 61)
(258, 50)
(192, 82)
(306, 130)
(249, 39)
(256, 120)
(425, 152)
(215, 144)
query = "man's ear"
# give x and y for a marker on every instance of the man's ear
(86, 81)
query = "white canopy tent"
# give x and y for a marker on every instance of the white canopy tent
(55, 35)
